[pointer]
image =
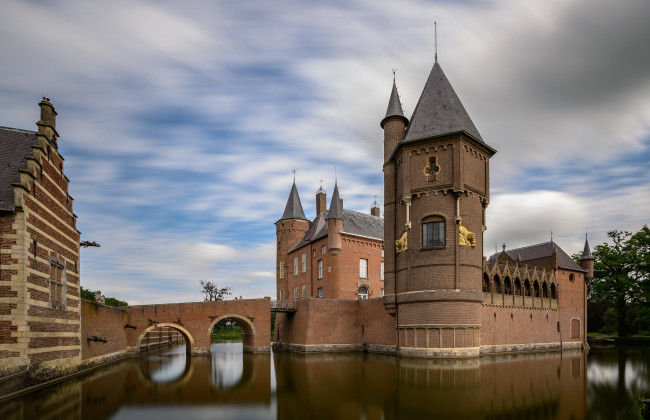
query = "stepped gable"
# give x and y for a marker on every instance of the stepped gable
(15, 146)
(539, 251)
(439, 112)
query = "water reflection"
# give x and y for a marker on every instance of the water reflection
(232, 384)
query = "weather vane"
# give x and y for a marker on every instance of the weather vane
(294, 170)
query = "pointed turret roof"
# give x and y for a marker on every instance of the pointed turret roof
(586, 253)
(394, 107)
(293, 209)
(439, 111)
(336, 210)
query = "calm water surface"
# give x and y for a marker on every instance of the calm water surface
(229, 384)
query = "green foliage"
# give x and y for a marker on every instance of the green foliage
(621, 274)
(609, 322)
(109, 301)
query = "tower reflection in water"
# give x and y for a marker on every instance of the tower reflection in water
(232, 384)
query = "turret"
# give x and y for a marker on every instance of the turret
(334, 223)
(47, 123)
(587, 261)
(393, 124)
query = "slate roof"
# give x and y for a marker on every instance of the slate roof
(439, 111)
(543, 250)
(15, 145)
(293, 209)
(394, 107)
(354, 223)
(586, 253)
(335, 211)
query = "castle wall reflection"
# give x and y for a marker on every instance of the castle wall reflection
(232, 384)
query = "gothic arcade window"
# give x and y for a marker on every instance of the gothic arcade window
(57, 284)
(553, 291)
(486, 283)
(363, 268)
(517, 286)
(497, 284)
(433, 232)
(526, 288)
(362, 293)
(507, 286)
(536, 288)
(545, 290)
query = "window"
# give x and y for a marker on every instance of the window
(281, 295)
(323, 249)
(363, 268)
(295, 293)
(295, 266)
(314, 253)
(304, 262)
(507, 286)
(486, 283)
(381, 293)
(382, 252)
(381, 275)
(526, 288)
(281, 269)
(433, 234)
(304, 291)
(320, 292)
(57, 284)
(362, 293)
(320, 269)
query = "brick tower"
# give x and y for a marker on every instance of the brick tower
(436, 190)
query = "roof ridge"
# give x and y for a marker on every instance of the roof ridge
(17, 129)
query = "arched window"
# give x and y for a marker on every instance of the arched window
(545, 290)
(433, 231)
(486, 283)
(526, 288)
(507, 286)
(536, 288)
(362, 293)
(497, 284)
(517, 286)
(553, 291)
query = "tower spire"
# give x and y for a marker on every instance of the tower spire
(435, 40)
(293, 209)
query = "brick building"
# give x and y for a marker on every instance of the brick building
(440, 296)
(337, 255)
(39, 253)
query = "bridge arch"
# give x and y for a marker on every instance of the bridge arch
(189, 341)
(246, 325)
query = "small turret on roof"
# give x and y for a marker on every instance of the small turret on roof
(586, 253)
(439, 111)
(293, 209)
(394, 107)
(336, 210)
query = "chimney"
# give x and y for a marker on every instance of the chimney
(374, 208)
(321, 201)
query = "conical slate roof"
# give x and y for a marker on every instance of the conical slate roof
(336, 210)
(293, 209)
(394, 107)
(439, 111)
(586, 253)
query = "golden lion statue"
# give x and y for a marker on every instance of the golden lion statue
(466, 237)
(402, 243)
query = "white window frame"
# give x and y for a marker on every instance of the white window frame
(320, 269)
(381, 276)
(295, 266)
(304, 291)
(281, 269)
(323, 249)
(381, 293)
(363, 296)
(295, 293)
(304, 262)
(363, 268)
(281, 295)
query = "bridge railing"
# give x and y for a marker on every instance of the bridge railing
(284, 306)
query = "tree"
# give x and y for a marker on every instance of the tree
(621, 273)
(109, 301)
(212, 292)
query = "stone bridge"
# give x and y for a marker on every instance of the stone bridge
(196, 320)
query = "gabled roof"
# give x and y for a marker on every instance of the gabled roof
(293, 209)
(439, 111)
(15, 145)
(354, 223)
(538, 251)
(394, 107)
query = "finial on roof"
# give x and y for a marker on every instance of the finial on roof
(394, 71)
(435, 40)
(293, 209)
(336, 210)
(321, 190)
(375, 203)
(294, 170)
(394, 105)
(504, 247)
(551, 235)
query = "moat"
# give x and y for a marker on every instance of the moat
(230, 384)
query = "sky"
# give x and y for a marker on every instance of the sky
(181, 122)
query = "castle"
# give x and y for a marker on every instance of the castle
(432, 293)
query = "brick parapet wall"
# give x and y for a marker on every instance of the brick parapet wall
(106, 322)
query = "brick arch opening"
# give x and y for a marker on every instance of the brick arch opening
(189, 341)
(244, 323)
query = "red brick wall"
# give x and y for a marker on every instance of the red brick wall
(102, 321)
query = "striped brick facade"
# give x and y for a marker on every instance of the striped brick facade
(39, 271)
